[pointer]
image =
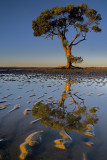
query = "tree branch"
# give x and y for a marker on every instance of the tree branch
(77, 35)
(79, 41)
(53, 33)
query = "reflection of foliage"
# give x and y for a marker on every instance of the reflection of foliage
(79, 118)
(81, 110)
(92, 119)
(57, 118)
(93, 110)
(50, 117)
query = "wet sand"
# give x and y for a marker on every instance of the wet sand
(88, 71)
(61, 91)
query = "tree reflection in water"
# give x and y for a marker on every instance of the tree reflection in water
(80, 118)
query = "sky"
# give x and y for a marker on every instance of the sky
(19, 48)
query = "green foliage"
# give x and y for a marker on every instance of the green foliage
(83, 27)
(76, 59)
(56, 21)
(69, 8)
(83, 6)
(57, 10)
(96, 28)
(93, 16)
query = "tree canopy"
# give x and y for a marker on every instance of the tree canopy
(59, 20)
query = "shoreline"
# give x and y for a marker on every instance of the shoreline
(87, 71)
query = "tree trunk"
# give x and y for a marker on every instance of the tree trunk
(68, 63)
(67, 50)
(68, 55)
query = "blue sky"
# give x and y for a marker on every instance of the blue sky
(18, 46)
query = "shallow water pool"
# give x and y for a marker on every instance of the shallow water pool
(71, 112)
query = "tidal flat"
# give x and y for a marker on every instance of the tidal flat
(53, 115)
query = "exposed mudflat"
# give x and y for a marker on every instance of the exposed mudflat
(89, 71)
(57, 114)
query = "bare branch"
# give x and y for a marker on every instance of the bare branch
(53, 33)
(77, 35)
(79, 41)
(84, 35)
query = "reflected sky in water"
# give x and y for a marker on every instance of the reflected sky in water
(71, 112)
